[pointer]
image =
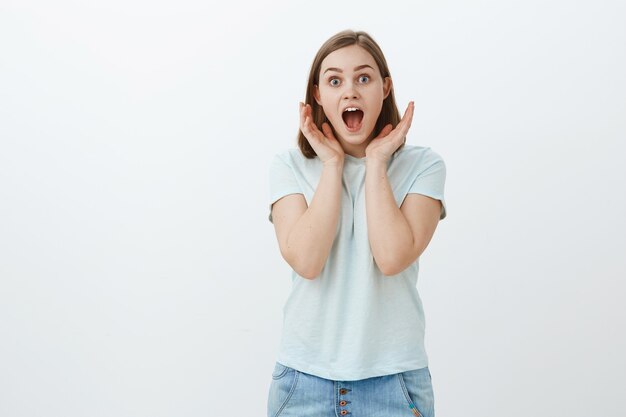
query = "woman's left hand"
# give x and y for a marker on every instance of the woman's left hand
(389, 139)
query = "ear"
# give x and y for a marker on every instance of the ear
(316, 94)
(387, 84)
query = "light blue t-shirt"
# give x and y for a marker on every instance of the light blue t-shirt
(352, 322)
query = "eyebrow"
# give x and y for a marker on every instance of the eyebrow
(340, 70)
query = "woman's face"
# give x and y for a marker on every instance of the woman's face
(349, 78)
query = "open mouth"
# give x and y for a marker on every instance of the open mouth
(353, 118)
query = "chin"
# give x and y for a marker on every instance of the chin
(356, 139)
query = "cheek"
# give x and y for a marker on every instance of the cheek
(330, 114)
(329, 106)
(374, 96)
(328, 100)
(374, 112)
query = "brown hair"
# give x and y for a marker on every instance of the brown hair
(389, 112)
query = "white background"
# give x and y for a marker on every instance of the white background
(140, 276)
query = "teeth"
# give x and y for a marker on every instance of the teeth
(351, 109)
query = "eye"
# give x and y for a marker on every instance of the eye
(367, 78)
(333, 83)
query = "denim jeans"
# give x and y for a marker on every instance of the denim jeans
(297, 394)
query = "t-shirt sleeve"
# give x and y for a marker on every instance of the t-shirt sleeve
(282, 181)
(431, 182)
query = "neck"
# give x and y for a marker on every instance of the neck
(355, 150)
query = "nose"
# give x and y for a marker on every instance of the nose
(350, 92)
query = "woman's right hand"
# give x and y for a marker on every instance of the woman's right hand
(325, 145)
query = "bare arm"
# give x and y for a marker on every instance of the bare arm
(306, 235)
(397, 236)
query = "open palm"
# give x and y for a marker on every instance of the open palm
(325, 145)
(390, 139)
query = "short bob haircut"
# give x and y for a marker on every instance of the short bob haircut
(389, 112)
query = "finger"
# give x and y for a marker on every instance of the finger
(311, 132)
(304, 124)
(328, 132)
(388, 128)
(409, 119)
(312, 126)
(302, 116)
(405, 123)
(307, 115)
(307, 122)
(410, 112)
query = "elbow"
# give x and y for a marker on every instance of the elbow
(304, 267)
(390, 269)
(307, 271)
(311, 275)
(394, 265)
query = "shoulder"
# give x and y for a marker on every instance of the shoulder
(294, 159)
(415, 156)
(290, 156)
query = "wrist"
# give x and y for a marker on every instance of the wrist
(375, 164)
(334, 164)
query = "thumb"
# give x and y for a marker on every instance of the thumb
(388, 128)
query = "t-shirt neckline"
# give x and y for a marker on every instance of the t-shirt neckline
(355, 159)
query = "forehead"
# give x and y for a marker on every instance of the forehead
(347, 58)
